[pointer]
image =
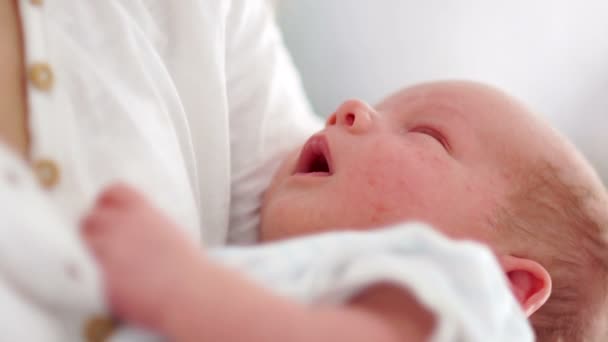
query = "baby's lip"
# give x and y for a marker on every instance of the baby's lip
(315, 158)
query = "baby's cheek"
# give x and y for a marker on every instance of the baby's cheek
(398, 187)
(383, 198)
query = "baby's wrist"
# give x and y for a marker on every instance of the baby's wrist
(183, 299)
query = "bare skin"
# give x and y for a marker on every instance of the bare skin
(13, 108)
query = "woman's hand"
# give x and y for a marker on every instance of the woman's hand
(143, 256)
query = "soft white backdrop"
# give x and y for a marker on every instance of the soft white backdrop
(552, 54)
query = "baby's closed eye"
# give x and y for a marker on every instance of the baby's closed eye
(433, 133)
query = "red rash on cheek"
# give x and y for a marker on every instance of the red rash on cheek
(469, 188)
(371, 182)
(383, 197)
(379, 213)
(507, 176)
(431, 160)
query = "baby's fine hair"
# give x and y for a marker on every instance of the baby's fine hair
(563, 225)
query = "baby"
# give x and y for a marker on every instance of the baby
(460, 156)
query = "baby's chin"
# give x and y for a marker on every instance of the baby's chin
(273, 229)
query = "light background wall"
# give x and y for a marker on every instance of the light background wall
(552, 54)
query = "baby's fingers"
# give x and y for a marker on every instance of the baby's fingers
(93, 224)
(94, 239)
(100, 230)
(118, 195)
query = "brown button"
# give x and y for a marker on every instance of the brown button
(98, 329)
(41, 76)
(36, 2)
(47, 172)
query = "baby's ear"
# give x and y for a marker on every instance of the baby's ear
(530, 282)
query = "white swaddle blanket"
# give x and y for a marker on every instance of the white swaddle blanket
(459, 281)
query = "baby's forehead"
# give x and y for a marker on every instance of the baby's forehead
(485, 119)
(475, 105)
(436, 107)
(458, 98)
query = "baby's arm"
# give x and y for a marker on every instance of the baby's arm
(229, 308)
(158, 279)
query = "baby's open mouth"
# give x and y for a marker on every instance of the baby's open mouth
(315, 159)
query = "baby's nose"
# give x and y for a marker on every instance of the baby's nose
(354, 115)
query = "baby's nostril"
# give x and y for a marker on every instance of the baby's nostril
(332, 120)
(350, 119)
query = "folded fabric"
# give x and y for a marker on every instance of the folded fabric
(461, 282)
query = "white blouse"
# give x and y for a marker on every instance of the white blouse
(189, 101)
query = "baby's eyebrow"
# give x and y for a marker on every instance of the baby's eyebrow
(443, 110)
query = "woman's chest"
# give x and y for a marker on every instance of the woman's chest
(13, 127)
(102, 107)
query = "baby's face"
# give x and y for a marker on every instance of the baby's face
(434, 153)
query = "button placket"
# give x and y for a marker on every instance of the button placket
(41, 79)
(45, 123)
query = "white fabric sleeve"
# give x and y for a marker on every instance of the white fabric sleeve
(460, 282)
(268, 111)
(49, 284)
